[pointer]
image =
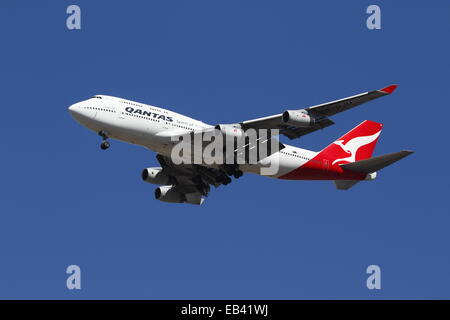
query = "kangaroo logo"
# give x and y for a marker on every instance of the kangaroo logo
(352, 146)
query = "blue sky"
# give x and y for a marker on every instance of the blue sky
(64, 201)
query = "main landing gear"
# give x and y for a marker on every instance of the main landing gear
(230, 171)
(237, 174)
(225, 180)
(105, 144)
(233, 170)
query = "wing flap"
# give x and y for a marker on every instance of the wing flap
(191, 178)
(275, 122)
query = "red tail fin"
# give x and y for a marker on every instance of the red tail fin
(357, 144)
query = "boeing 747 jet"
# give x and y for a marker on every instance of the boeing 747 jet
(346, 161)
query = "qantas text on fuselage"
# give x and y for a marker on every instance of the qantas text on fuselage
(346, 161)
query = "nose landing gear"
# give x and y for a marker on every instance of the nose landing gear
(105, 144)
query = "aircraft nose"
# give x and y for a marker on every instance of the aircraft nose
(73, 108)
(77, 112)
(81, 113)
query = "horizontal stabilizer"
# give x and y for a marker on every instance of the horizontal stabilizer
(345, 184)
(376, 163)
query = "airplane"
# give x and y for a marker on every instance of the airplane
(346, 161)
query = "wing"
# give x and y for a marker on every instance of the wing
(320, 112)
(192, 178)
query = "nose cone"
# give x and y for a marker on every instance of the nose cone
(74, 109)
(79, 113)
(76, 113)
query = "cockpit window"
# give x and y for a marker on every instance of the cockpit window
(97, 97)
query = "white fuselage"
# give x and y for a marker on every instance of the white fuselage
(152, 127)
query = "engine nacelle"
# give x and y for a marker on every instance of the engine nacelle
(155, 176)
(298, 118)
(194, 198)
(230, 130)
(168, 194)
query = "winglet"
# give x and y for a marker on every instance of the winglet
(389, 89)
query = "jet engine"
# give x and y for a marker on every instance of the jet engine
(298, 118)
(155, 175)
(194, 198)
(230, 130)
(170, 194)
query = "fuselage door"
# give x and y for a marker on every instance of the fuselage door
(120, 112)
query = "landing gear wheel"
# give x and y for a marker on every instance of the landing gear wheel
(104, 145)
(224, 180)
(237, 174)
(102, 134)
